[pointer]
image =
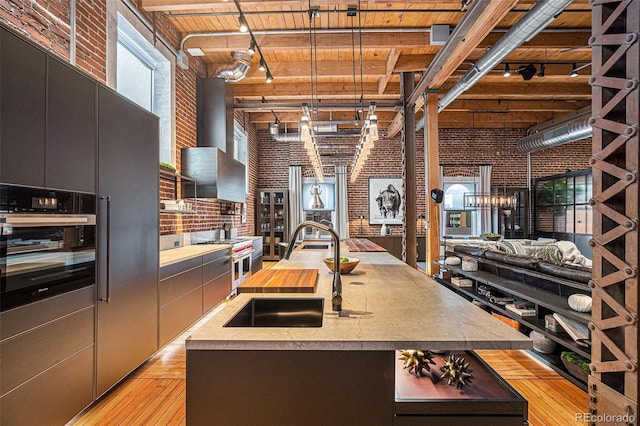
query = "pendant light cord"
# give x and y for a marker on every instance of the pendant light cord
(360, 34)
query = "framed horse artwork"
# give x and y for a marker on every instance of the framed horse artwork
(385, 201)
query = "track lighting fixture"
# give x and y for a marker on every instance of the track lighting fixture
(541, 73)
(527, 72)
(574, 70)
(253, 44)
(507, 71)
(242, 22)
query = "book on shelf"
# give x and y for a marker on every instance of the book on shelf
(523, 312)
(461, 282)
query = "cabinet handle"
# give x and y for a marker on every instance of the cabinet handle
(107, 297)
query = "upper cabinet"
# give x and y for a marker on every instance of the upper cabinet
(71, 132)
(22, 111)
(47, 119)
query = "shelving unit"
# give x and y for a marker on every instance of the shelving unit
(179, 183)
(271, 221)
(546, 300)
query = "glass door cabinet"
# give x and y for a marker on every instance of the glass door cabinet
(272, 211)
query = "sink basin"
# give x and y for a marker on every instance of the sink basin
(280, 312)
(315, 247)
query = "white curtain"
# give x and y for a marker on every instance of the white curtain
(341, 217)
(485, 189)
(295, 196)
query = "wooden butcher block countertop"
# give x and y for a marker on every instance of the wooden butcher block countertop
(281, 281)
(362, 244)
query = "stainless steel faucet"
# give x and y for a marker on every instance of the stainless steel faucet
(336, 299)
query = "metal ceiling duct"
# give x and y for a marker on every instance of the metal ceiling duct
(237, 70)
(576, 129)
(541, 15)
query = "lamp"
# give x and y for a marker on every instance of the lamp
(269, 77)
(252, 47)
(574, 70)
(253, 44)
(263, 66)
(507, 71)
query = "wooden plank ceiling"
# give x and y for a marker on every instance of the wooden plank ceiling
(359, 56)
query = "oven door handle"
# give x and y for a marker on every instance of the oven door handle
(107, 264)
(235, 258)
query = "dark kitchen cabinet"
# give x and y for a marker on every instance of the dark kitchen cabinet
(216, 278)
(127, 321)
(71, 131)
(22, 111)
(47, 353)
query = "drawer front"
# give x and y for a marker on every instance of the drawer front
(180, 267)
(216, 268)
(176, 316)
(215, 256)
(27, 355)
(215, 291)
(59, 394)
(179, 285)
(256, 264)
(257, 246)
(24, 318)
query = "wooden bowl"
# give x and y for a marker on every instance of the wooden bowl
(345, 267)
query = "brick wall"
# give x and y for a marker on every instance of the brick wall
(460, 150)
(48, 24)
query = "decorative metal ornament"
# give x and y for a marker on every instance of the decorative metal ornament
(457, 372)
(416, 360)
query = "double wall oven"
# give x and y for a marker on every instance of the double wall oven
(47, 243)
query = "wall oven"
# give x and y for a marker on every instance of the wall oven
(47, 243)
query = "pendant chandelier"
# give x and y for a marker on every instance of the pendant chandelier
(369, 131)
(307, 133)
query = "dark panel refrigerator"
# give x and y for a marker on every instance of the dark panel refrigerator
(128, 215)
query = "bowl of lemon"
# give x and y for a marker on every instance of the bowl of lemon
(347, 264)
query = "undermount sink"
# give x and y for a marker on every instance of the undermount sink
(315, 247)
(280, 312)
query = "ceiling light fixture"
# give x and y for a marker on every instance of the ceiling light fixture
(195, 51)
(242, 24)
(253, 45)
(527, 72)
(507, 71)
(541, 73)
(574, 70)
(368, 137)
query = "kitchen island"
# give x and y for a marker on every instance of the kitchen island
(339, 373)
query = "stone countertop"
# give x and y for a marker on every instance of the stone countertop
(387, 305)
(168, 257)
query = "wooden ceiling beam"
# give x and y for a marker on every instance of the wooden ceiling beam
(342, 69)
(344, 90)
(514, 105)
(176, 5)
(224, 42)
(392, 59)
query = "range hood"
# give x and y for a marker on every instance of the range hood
(218, 176)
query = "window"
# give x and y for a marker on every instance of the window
(457, 221)
(143, 74)
(241, 151)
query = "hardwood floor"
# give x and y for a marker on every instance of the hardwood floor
(155, 393)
